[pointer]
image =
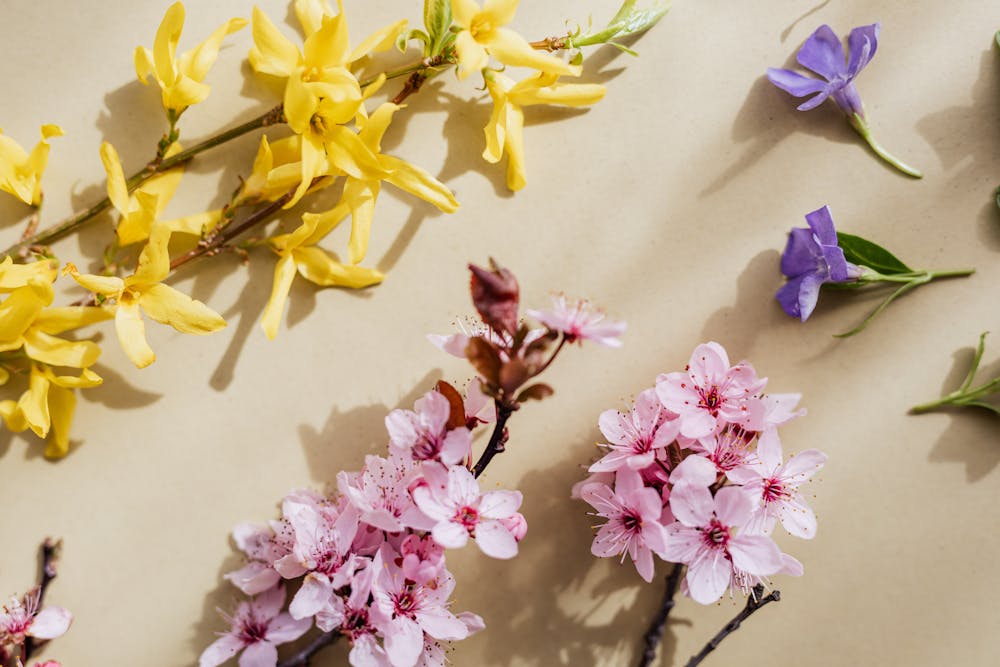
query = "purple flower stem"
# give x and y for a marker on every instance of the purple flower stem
(654, 635)
(49, 552)
(861, 127)
(754, 602)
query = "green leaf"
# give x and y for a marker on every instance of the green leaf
(865, 253)
(437, 18)
(986, 406)
(628, 21)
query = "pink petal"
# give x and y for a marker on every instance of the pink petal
(708, 577)
(615, 427)
(260, 654)
(791, 566)
(803, 465)
(495, 540)
(697, 424)
(692, 504)
(289, 567)
(733, 505)
(402, 433)
(695, 470)
(743, 475)
(434, 410)
(675, 392)
(647, 502)
(454, 344)
(456, 446)
(254, 577)
(313, 596)
(50, 623)
(428, 503)
(769, 450)
(655, 536)
(614, 460)
(797, 518)
(249, 535)
(284, 629)
(627, 482)
(440, 623)
(222, 649)
(708, 361)
(450, 535)
(473, 622)
(463, 489)
(499, 504)
(643, 559)
(269, 603)
(366, 652)
(640, 461)
(755, 554)
(681, 543)
(608, 541)
(404, 641)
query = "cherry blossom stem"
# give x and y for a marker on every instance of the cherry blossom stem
(654, 635)
(302, 658)
(49, 551)
(498, 440)
(754, 602)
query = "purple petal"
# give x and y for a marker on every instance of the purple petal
(801, 253)
(824, 54)
(815, 101)
(834, 257)
(861, 45)
(794, 83)
(821, 223)
(848, 99)
(799, 295)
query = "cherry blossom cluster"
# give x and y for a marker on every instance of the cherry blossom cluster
(366, 563)
(24, 625)
(694, 474)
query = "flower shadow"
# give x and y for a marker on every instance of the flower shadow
(754, 288)
(768, 117)
(970, 438)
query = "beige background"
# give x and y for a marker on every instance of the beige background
(668, 202)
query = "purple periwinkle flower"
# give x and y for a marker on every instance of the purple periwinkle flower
(811, 258)
(824, 54)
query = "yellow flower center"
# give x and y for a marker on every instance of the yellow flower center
(312, 74)
(482, 27)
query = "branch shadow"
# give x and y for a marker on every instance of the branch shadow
(788, 31)
(754, 288)
(971, 435)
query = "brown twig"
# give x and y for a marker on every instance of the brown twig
(498, 440)
(49, 554)
(302, 658)
(654, 635)
(754, 602)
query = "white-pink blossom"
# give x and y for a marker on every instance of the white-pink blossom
(381, 492)
(635, 436)
(257, 628)
(634, 527)
(578, 321)
(21, 618)
(262, 548)
(710, 394)
(451, 497)
(423, 434)
(422, 558)
(776, 486)
(705, 537)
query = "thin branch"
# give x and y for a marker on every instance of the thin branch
(654, 635)
(49, 554)
(498, 440)
(754, 602)
(302, 658)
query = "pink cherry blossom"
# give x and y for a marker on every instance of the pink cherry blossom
(351, 613)
(635, 437)
(516, 525)
(381, 493)
(22, 618)
(579, 321)
(455, 344)
(322, 551)
(423, 558)
(257, 628)
(780, 409)
(634, 525)
(729, 449)
(776, 485)
(711, 394)
(479, 408)
(704, 538)
(451, 497)
(407, 610)
(423, 433)
(593, 479)
(262, 548)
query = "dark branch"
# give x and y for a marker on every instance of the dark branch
(302, 658)
(49, 553)
(654, 635)
(498, 440)
(754, 602)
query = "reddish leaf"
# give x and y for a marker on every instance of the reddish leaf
(456, 418)
(496, 296)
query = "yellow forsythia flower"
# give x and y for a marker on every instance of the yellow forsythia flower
(482, 35)
(21, 173)
(143, 207)
(321, 93)
(297, 253)
(181, 78)
(144, 292)
(504, 132)
(361, 193)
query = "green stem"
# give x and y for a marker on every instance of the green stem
(156, 166)
(861, 127)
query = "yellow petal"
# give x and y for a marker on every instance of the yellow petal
(316, 266)
(500, 12)
(34, 403)
(328, 46)
(496, 128)
(272, 52)
(12, 416)
(50, 130)
(184, 92)
(18, 312)
(419, 183)
(205, 54)
(132, 333)
(263, 163)
(360, 197)
(464, 11)
(373, 129)
(86, 379)
(310, 14)
(110, 286)
(313, 165)
(117, 189)
(165, 44)
(472, 56)
(196, 225)
(154, 260)
(144, 64)
(58, 352)
(300, 104)
(379, 41)
(565, 94)
(168, 306)
(284, 274)
(511, 49)
(66, 318)
(4, 376)
(135, 226)
(62, 404)
(322, 224)
(346, 151)
(13, 276)
(515, 149)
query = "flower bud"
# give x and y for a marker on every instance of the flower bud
(517, 525)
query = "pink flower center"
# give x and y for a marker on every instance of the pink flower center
(426, 448)
(632, 522)
(775, 490)
(711, 399)
(715, 535)
(253, 630)
(468, 517)
(406, 603)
